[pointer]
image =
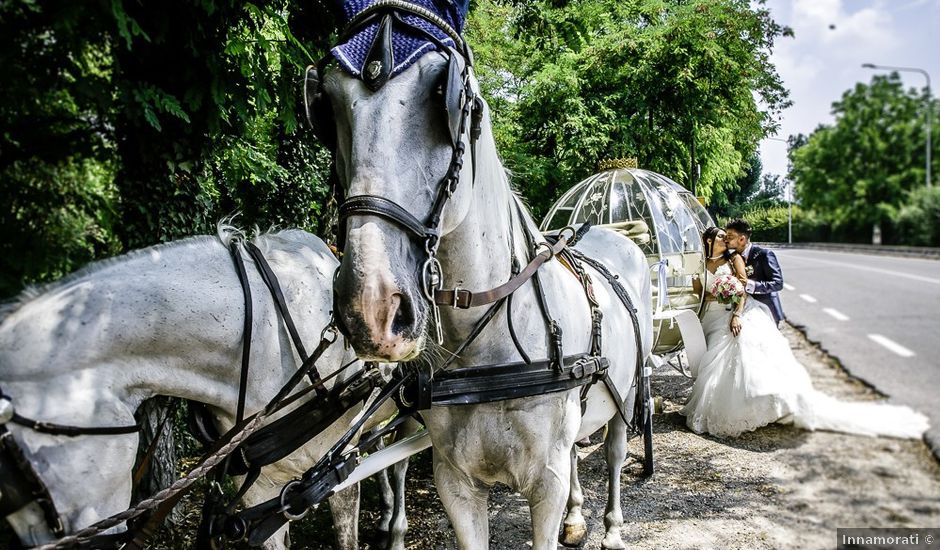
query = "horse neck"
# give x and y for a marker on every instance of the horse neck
(117, 331)
(477, 254)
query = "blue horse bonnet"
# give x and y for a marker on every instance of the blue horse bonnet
(407, 46)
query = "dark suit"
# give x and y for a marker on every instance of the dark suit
(767, 278)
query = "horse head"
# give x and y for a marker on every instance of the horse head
(396, 116)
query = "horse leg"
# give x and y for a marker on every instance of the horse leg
(575, 527)
(345, 509)
(547, 503)
(386, 498)
(465, 503)
(280, 540)
(615, 451)
(398, 525)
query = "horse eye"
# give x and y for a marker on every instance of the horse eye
(439, 90)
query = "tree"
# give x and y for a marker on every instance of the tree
(857, 171)
(56, 159)
(128, 124)
(671, 83)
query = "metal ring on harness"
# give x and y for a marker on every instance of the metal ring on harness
(547, 246)
(431, 278)
(570, 239)
(7, 410)
(285, 508)
(404, 401)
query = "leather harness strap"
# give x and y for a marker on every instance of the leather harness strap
(464, 299)
(267, 275)
(380, 206)
(487, 383)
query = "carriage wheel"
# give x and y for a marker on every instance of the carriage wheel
(647, 397)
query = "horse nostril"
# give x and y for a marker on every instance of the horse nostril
(405, 315)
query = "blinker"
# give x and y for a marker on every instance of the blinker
(380, 59)
(454, 96)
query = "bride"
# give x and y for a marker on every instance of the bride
(749, 377)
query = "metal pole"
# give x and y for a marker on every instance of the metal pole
(790, 212)
(929, 129)
(789, 194)
(929, 107)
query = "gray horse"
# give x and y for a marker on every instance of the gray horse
(394, 142)
(166, 320)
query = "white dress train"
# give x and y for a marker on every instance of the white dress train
(752, 380)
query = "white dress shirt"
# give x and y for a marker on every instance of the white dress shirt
(749, 287)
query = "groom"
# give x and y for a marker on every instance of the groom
(764, 277)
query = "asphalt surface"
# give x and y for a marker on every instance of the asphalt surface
(878, 315)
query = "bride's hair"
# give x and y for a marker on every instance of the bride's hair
(711, 234)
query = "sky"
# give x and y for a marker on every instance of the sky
(833, 38)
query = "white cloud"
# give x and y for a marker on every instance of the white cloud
(832, 39)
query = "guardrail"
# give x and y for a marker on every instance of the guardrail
(882, 250)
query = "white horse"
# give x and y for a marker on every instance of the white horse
(166, 320)
(393, 143)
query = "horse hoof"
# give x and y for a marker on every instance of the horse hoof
(613, 542)
(382, 538)
(573, 535)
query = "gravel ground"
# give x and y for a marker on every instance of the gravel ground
(778, 487)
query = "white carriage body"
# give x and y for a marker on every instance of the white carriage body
(666, 221)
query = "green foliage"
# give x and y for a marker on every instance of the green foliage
(858, 172)
(771, 224)
(918, 221)
(671, 83)
(128, 123)
(751, 191)
(55, 217)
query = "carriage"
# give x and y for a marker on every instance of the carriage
(666, 221)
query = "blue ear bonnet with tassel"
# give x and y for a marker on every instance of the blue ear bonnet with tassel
(407, 46)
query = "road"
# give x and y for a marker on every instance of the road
(878, 315)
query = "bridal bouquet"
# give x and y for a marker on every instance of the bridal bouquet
(727, 289)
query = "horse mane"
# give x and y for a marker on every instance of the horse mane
(226, 232)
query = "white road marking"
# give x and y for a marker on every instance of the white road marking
(835, 313)
(789, 287)
(874, 270)
(808, 298)
(891, 345)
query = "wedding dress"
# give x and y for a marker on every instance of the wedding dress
(752, 380)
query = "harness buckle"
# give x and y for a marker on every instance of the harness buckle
(330, 329)
(456, 292)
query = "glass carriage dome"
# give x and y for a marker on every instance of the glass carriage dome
(665, 220)
(660, 215)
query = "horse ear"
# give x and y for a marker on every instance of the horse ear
(318, 108)
(311, 90)
(454, 96)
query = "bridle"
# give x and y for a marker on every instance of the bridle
(462, 106)
(485, 383)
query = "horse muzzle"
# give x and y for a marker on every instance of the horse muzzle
(378, 302)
